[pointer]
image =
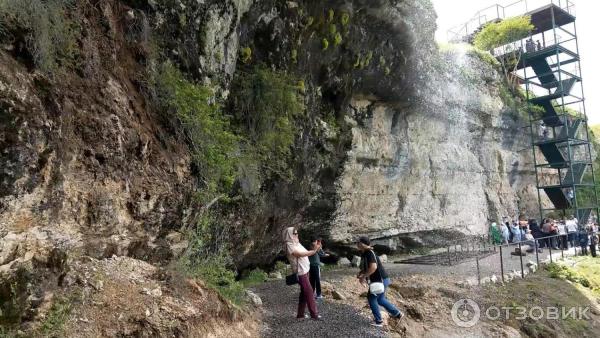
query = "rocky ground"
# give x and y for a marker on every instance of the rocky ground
(427, 301)
(125, 297)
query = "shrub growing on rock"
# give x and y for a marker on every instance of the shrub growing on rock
(214, 146)
(49, 34)
(266, 103)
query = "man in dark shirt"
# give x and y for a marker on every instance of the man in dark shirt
(315, 267)
(371, 272)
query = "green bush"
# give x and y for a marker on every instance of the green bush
(345, 19)
(208, 258)
(563, 272)
(294, 55)
(337, 39)
(217, 272)
(484, 56)
(309, 21)
(330, 15)
(332, 29)
(254, 277)
(45, 26)
(324, 44)
(214, 146)
(500, 33)
(246, 54)
(266, 103)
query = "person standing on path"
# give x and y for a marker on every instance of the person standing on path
(315, 266)
(572, 231)
(495, 234)
(298, 257)
(372, 271)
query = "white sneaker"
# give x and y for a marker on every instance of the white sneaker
(377, 324)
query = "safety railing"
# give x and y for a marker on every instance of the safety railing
(497, 12)
(480, 260)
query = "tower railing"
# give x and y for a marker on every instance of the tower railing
(462, 32)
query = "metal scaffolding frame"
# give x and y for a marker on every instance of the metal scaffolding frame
(550, 73)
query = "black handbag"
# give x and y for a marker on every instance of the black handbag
(293, 278)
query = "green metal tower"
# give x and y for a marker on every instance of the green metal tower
(547, 66)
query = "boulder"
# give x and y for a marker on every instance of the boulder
(409, 291)
(414, 313)
(355, 261)
(494, 279)
(254, 298)
(344, 261)
(275, 275)
(338, 295)
(532, 267)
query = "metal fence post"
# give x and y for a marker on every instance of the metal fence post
(501, 264)
(550, 250)
(537, 255)
(521, 259)
(562, 247)
(478, 272)
(456, 253)
(449, 259)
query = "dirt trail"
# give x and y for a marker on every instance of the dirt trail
(339, 319)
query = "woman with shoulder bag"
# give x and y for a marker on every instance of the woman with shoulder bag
(298, 258)
(373, 273)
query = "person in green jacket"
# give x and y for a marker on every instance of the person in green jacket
(315, 267)
(495, 234)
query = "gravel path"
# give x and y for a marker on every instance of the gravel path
(280, 303)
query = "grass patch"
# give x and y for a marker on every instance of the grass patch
(542, 290)
(254, 277)
(588, 268)
(57, 316)
(558, 270)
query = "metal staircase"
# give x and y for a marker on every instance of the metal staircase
(560, 149)
(562, 154)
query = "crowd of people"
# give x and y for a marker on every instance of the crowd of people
(554, 234)
(306, 266)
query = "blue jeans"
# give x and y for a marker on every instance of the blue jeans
(376, 300)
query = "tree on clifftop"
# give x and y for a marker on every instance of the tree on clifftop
(501, 34)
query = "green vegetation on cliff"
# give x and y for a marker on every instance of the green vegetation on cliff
(214, 146)
(500, 33)
(45, 27)
(266, 103)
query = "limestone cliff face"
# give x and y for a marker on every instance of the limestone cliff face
(454, 159)
(397, 138)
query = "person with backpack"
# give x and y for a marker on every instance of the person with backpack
(373, 274)
(315, 267)
(298, 258)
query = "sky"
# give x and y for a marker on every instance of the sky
(456, 12)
